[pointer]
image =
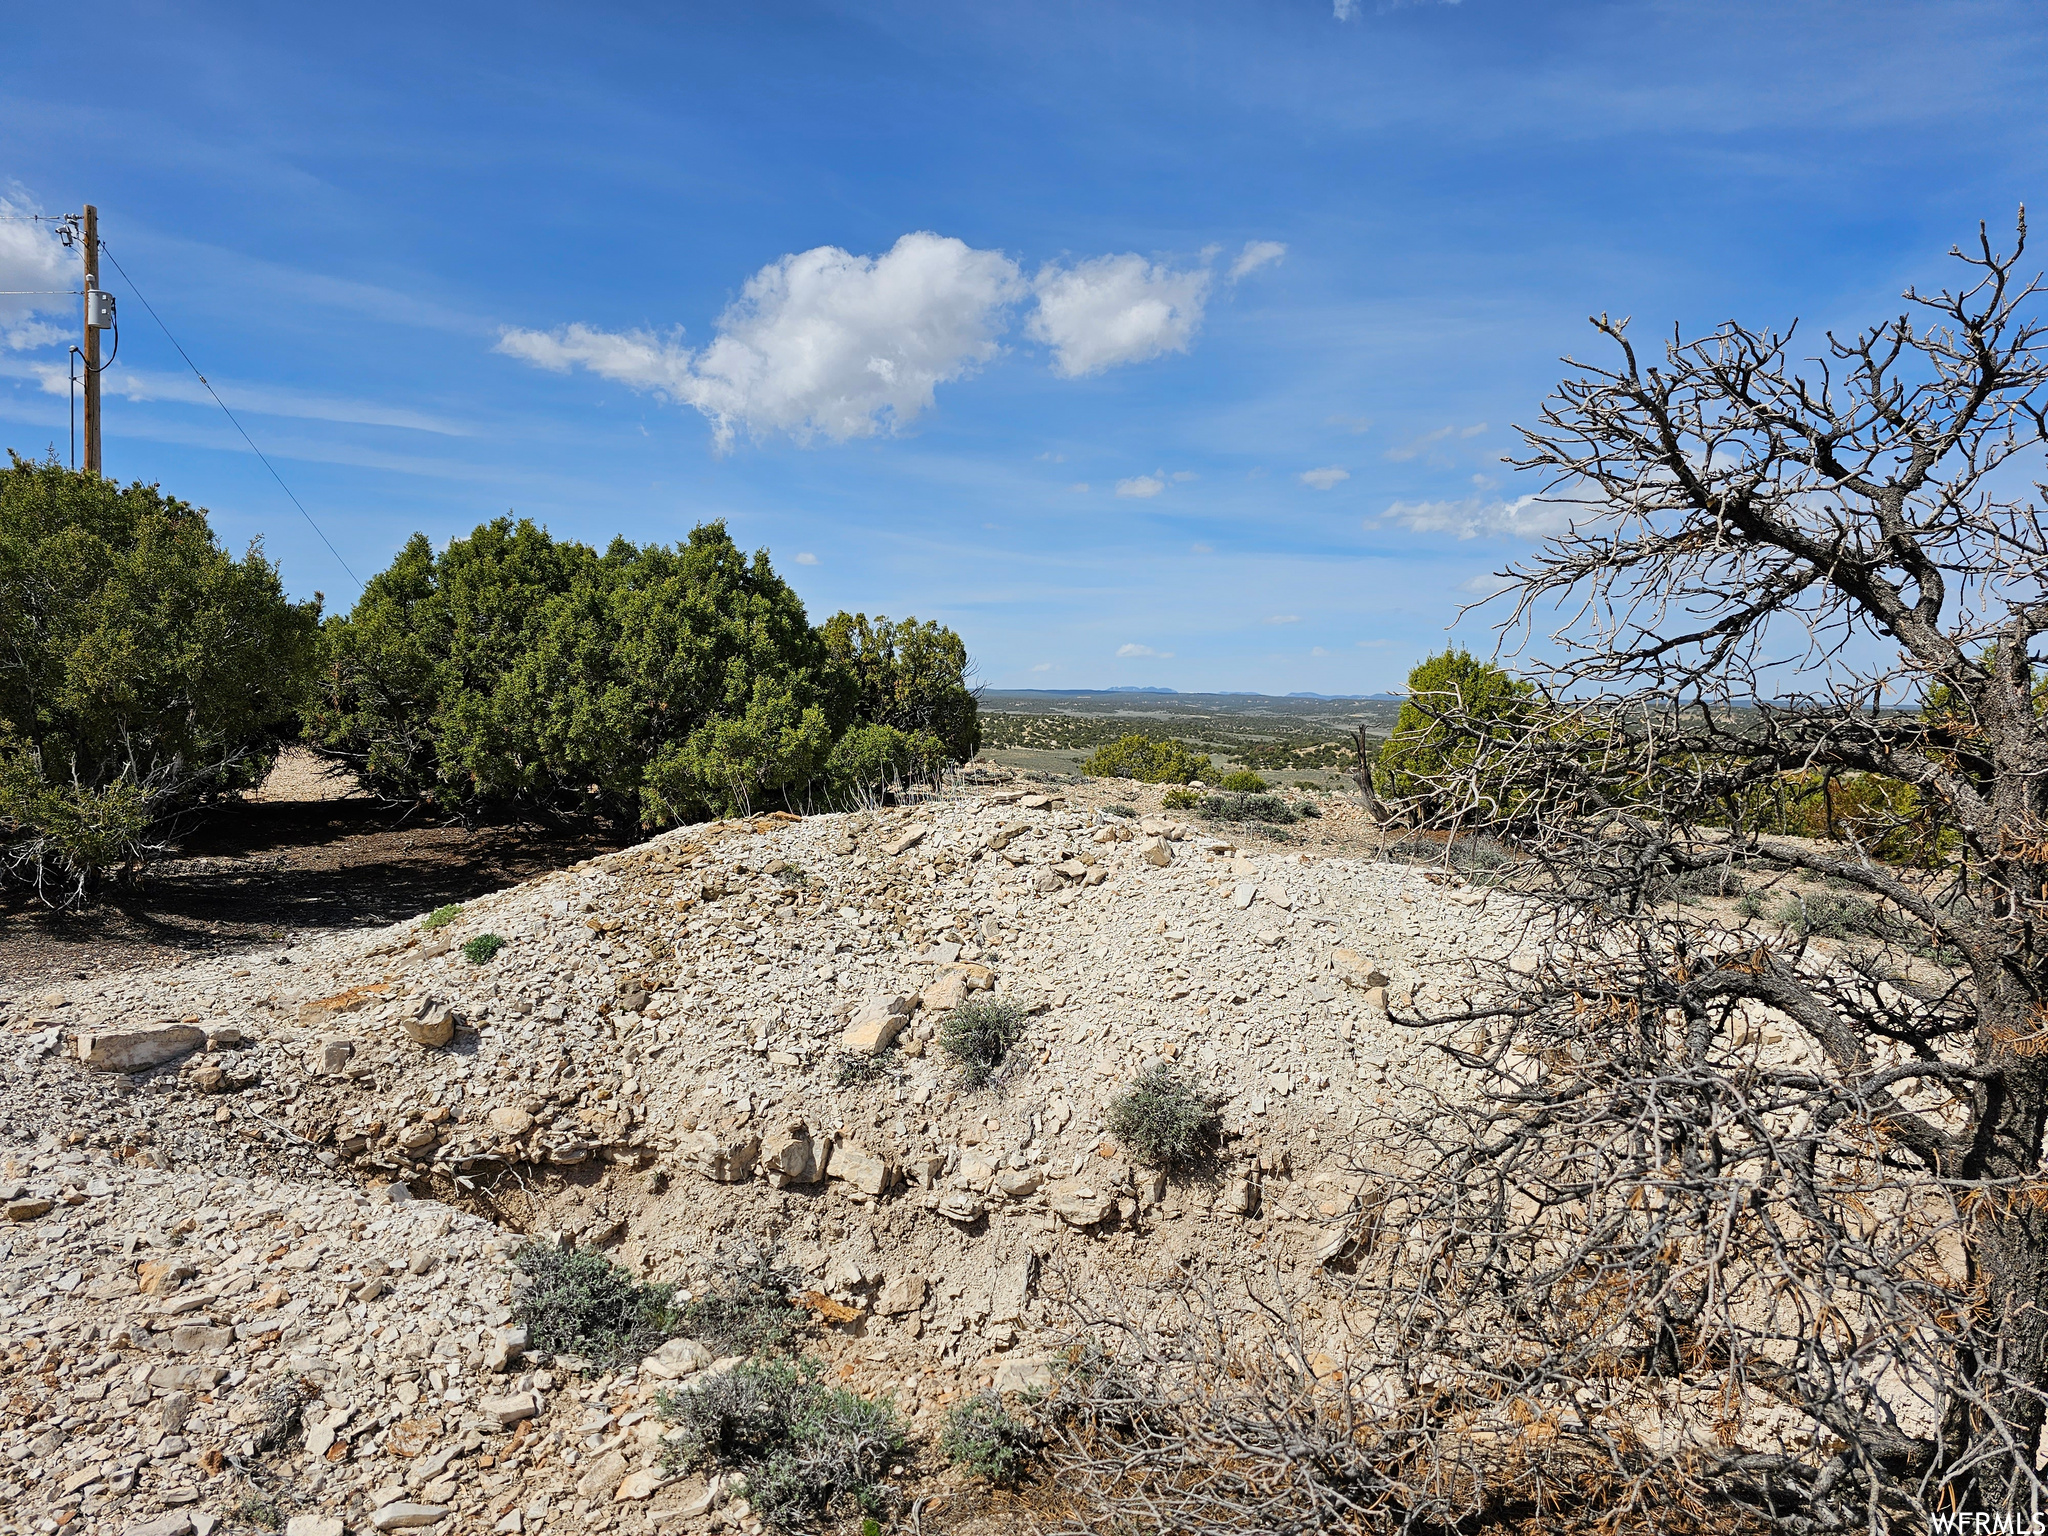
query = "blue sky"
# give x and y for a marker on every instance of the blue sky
(1141, 343)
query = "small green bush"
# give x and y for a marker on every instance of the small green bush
(1138, 756)
(1839, 918)
(750, 1313)
(1180, 799)
(1243, 782)
(1308, 784)
(856, 1069)
(978, 1034)
(255, 1510)
(479, 950)
(1120, 808)
(1164, 1120)
(987, 1439)
(1308, 809)
(800, 1445)
(581, 1303)
(1267, 808)
(441, 917)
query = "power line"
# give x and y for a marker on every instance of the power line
(159, 319)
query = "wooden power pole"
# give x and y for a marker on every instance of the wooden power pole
(91, 242)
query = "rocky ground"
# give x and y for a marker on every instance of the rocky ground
(261, 1204)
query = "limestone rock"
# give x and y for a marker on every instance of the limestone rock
(510, 1409)
(907, 839)
(510, 1121)
(405, 1517)
(1021, 1184)
(877, 1024)
(313, 1525)
(601, 1477)
(1243, 894)
(903, 1294)
(429, 1023)
(1355, 970)
(724, 1157)
(137, 1050)
(1024, 1375)
(676, 1359)
(1077, 1204)
(869, 1172)
(640, 1485)
(958, 1205)
(1156, 851)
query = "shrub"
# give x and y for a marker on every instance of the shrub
(1308, 784)
(1138, 756)
(750, 1313)
(978, 1034)
(908, 676)
(987, 1439)
(1120, 808)
(1308, 808)
(855, 1069)
(1267, 808)
(869, 759)
(581, 1303)
(143, 672)
(1180, 799)
(510, 673)
(800, 1445)
(478, 951)
(1165, 1120)
(1243, 782)
(441, 917)
(1833, 917)
(1455, 704)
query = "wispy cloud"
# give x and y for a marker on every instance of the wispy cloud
(1325, 478)
(805, 557)
(1127, 651)
(1527, 517)
(1283, 618)
(1256, 254)
(254, 399)
(1143, 487)
(1317, 650)
(1352, 424)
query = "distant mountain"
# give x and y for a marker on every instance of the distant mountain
(1129, 688)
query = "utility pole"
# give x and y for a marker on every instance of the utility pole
(91, 242)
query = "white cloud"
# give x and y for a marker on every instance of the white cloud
(1474, 430)
(1079, 487)
(1143, 487)
(1344, 10)
(1043, 666)
(1049, 457)
(1143, 650)
(32, 258)
(1203, 549)
(1284, 618)
(1112, 310)
(806, 558)
(1256, 254)
(1182, 476)
(1526, 517)
(822, 343)
(1326, 477)
(1317, 650)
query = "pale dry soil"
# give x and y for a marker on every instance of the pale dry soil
(301, 1166)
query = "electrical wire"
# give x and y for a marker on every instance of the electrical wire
(159, 319)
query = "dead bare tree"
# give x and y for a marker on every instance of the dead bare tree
(1738, 1223)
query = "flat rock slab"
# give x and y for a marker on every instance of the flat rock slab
(137, 1050)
